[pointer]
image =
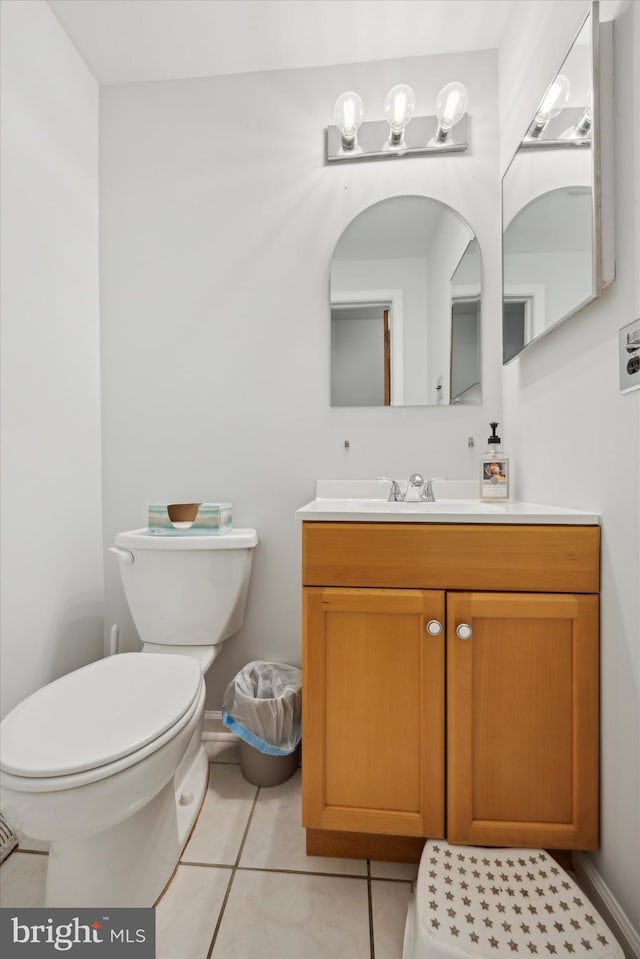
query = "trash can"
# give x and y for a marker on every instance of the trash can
(263, 706)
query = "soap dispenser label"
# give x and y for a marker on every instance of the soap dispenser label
(495, 478)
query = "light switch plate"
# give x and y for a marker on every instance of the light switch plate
(629, 352)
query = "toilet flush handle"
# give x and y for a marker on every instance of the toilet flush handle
(123, 554)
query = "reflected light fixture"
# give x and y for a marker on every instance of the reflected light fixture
(543, 135)
(583, 126)
(552, 104)
(353, 139)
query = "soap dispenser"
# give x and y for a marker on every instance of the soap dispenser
(494, 470)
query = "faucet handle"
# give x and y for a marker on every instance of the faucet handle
(427, 493)
(394, 492)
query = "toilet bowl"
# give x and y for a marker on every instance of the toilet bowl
(107, 762)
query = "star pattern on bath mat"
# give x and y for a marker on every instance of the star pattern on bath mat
(507, 902)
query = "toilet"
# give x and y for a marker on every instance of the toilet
(471, 901)
(107, 762)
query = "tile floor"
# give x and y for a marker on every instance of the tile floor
(245, 889)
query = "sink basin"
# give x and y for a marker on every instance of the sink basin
(421, 506)
(382, 506)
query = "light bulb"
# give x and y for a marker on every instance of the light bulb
(399, 104)
(554, 100)
(582, 129)
(583, 126)
(451, 106)
(348, 113)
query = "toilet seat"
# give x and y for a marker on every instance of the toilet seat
(99, 719)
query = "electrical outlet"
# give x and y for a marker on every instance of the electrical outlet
(629, 352)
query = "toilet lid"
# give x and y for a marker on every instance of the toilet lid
(98, 714)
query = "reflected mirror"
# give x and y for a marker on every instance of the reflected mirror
(405, 307)
(550, 204)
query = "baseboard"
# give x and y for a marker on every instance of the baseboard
(215, 730)
(607, 905)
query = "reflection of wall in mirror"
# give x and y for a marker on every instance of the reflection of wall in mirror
(447, 248)
(548, 245)
(534, 173)
(408, 275)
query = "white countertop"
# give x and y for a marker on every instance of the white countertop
(369, 504)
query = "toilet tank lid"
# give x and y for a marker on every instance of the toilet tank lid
(98, 714)
(143, 539)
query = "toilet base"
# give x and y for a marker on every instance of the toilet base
(131, 863)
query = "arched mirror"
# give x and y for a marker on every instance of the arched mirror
(405, 307)
(550, 203)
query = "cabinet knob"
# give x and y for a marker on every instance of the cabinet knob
(434, 628)
(464, 631)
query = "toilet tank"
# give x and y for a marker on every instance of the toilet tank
(186, 590)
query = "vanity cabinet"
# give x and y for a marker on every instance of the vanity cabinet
(374, 711)
(450, 686)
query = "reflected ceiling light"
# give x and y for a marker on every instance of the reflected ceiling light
(353, 139)
(348, 113)
(552, 104)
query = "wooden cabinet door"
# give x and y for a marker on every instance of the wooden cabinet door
(373, 711)
(522, 720)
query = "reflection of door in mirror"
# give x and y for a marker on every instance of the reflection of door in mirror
(360, 355)
(465, 351)
(515, 323)
(411, 254)
(465, 358)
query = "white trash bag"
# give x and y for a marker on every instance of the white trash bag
(263, 706)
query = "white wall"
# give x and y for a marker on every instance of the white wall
(450, 240)
(575, 439)
(217, 232)
(51, 507)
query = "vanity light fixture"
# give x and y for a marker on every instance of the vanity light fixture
(451, 106)
(353, 139)
(399, 104)
(348, 113)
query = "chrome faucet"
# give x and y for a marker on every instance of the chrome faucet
(415, 488)
(396, 494)
(428, 494)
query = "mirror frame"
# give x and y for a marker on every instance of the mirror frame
(592, 18)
